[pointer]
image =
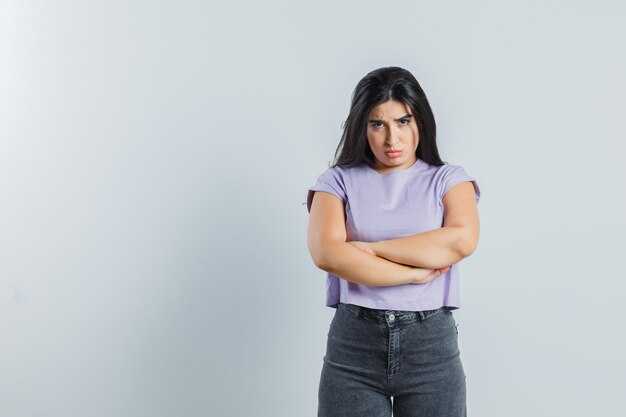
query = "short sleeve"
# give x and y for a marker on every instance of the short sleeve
(453, 175)
(330, 181)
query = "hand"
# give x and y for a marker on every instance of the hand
(424, 275)
(364, 246)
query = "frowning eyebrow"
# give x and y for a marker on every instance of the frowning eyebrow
(406, 116)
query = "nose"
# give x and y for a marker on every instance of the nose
(392, 136)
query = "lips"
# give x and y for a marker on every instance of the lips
(394, 154)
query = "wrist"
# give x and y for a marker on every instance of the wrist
(413, 274)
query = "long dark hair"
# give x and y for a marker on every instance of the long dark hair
(377, 87)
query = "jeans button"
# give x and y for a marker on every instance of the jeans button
(391, 317)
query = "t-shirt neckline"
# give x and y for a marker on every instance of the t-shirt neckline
(413, 167)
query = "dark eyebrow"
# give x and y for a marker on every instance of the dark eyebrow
(406, 116)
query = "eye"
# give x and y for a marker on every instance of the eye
(376, 123)
(404, 120)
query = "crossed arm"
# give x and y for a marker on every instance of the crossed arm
(391, 262)
(442, 247)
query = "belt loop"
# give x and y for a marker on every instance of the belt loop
(422, 316)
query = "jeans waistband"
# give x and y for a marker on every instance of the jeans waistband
(383, 316)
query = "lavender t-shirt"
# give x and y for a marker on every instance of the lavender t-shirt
(387, 206)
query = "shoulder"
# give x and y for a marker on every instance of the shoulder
(448, 169)
(439, 174)
(449, 175)
(342, 176)
(333, 180)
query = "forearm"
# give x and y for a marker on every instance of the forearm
(433, 249)
(350, 263)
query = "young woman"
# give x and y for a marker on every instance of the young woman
(389, 222)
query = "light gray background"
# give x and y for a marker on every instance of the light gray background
(154, 161)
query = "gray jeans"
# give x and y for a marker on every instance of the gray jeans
(379, 361)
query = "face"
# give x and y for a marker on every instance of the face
(392, 126)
